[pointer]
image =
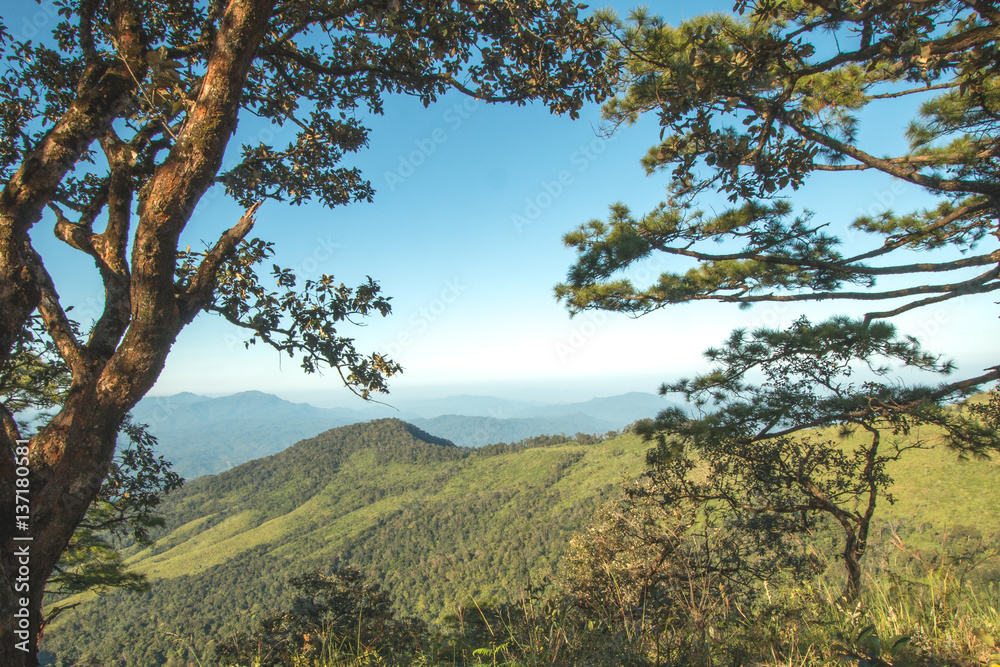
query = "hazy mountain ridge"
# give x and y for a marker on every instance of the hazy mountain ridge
(469, 431)
(202, 435)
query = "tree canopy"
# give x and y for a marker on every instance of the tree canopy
(750, 106)
(115, 125)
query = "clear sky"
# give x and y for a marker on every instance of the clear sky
(465, 234)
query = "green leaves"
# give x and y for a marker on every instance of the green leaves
(336, 612)
(779, 253)
(317, 65)
(300, 322)
(868, 649)
(751, 107)
(804, 378)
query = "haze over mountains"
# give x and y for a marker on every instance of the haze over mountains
(202, 435)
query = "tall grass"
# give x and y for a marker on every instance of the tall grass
(933, 605)
(918, 607)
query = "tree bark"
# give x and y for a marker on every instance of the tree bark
(853, 550)
(70, 456)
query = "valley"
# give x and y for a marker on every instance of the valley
(440, 527)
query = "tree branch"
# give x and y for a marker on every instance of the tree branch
(888, 166)
(56, 322)
(110, 247)
(103, 90)
(981, 280)
(967, 210)
(199, 291)
(170, 196)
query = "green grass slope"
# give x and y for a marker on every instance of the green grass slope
(439, 525)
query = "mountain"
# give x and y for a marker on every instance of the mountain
(619, 410)
(203, 436)
(480, 431)
(463, 404)
(440, 525)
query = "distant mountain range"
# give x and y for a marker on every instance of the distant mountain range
(202, 435)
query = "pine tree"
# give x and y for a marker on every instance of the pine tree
(750, 107)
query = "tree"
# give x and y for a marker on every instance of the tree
(117, 124)
(336, 613)
(663, 573)
(768, 465)
(749, 107)
(33, 382)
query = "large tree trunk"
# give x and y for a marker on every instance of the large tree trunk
(103, 91)
(70, 456)
(59, 497)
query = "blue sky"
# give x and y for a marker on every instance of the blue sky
(465, 234)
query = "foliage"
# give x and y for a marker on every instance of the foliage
(750, 107)
(34, 377)
(670, 579)
(920, 606)
(117, 122)
(988, 411)
(335, 613)
(761, 458)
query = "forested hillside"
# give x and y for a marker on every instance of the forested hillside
(439, 525)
